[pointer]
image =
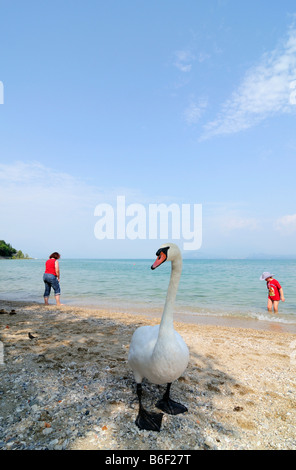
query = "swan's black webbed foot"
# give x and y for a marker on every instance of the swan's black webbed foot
(147, 420)
(170, 406)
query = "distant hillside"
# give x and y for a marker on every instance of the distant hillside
(7, 251)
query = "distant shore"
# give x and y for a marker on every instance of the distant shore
(15, 257)
(71, 387)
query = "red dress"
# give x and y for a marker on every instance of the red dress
(274, 287)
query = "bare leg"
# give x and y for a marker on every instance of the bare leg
(46, 300)
(276, 306)
(57, 297)
(269, 305)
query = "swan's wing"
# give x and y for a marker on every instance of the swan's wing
(143, 341)
(141, 348)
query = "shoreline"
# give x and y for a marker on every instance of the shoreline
(184, 317)
(71, 387)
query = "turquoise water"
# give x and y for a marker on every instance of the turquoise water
(208, 287)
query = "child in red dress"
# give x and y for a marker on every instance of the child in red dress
(275, 292)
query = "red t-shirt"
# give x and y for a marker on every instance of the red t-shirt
(274, 287)
(50, 266)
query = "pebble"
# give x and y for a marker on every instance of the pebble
(209, 442)
(54, 442)
(68, 398)
(47, 431)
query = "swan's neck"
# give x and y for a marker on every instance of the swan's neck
(167, 320)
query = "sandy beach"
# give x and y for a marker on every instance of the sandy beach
(70, 386)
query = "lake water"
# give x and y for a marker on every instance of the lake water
(210, 288)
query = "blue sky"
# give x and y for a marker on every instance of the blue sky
(163, 102)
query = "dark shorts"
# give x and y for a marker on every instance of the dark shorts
(51, 281)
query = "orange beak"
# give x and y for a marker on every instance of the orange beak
(161, 259)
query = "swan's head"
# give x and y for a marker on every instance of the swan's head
(167, 252)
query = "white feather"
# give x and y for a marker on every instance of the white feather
(158, 352)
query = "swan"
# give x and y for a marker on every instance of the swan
(158, 353)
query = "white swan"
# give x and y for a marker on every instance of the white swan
(158, 352)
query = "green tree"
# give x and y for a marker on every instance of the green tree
(20, 255)
(6, 249)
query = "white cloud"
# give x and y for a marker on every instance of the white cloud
(44, 210)
(37, 175)
(183, 60)
(225, 218)
(203, 56)
(264, 92)
(42, 207)
(286, 224)
(194, 111)
(24, 183)
(231, 223)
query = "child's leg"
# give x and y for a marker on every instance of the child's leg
(276, 306)
(269, 305)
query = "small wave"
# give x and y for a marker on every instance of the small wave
(241, 314)
(273, 318)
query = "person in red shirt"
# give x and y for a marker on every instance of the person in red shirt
(275, 292)
(51, 278)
